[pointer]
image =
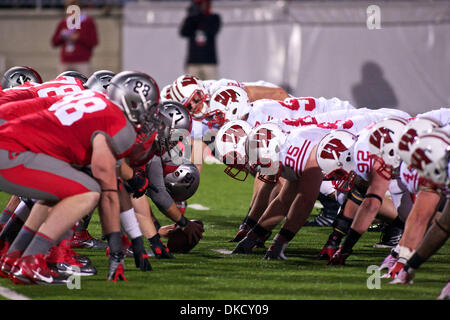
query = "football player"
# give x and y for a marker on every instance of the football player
(338, 119)
(195, 94)
(366, 174)
(295, 160)
(430, 156)
(427, 198)
(172, 180)
(81, 119)
(17, 76)
(24, 102)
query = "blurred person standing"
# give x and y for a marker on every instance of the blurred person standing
(77, 41)
(201, 28)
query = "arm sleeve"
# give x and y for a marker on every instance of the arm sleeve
(57, 40)
(157, 190)
(189, 26)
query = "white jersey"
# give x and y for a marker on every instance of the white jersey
(363, 161)
(296, 150)
(265, 110)
(410, 178)
(441, 115)
(363, 164)
(211, 86)
(353, 120)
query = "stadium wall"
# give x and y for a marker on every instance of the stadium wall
(25, 36)
(321, 48)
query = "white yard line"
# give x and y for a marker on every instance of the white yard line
(197, 206)
(222, 251)
(12, 295)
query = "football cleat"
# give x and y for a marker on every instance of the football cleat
(377, 227)
(339, 257)
(320, 221)
(82, 239)
(126, 246)
(7, 262)
(127, 249)
(276, 251)
(83, 260)
(390, 237)
(60, 260)
(328, 250)
(33, 269)
(116, 269)
(445, 293)
(404, 276)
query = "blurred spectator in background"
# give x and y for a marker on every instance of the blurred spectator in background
(201, 27)
(77, 42)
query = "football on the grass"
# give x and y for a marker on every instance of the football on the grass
(177, 241)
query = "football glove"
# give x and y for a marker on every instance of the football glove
(340, 256)
(276, 250)
(116, 269)
(246, 245)
(138, 184)
(140, 255)
(159, 249)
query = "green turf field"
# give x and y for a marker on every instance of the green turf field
(207, 274)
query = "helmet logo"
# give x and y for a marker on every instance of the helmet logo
(407, 139)
(382, 134)
(333, 146)
(418, 158)
(187, 80)
(263, 137)
(234, 134)
(140, 87)
(225, 96)
(176, 113)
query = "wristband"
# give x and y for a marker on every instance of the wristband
(182, 222)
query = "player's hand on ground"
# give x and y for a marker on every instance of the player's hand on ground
(159, 249)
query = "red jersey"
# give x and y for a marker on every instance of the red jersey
(13, 110)
(59, 86)
(65, 130)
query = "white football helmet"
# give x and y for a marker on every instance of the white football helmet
(190, 91)
(165, 93)
(414, 128)
(383, 141)
(334, 155)
(227, 104)
(230, 147)
(429, 155)
(263, 148)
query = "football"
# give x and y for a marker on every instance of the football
(177, 241)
